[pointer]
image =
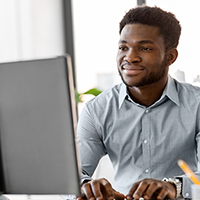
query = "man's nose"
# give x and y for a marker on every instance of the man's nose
(132, 56)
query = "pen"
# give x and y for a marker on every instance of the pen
(188, 172)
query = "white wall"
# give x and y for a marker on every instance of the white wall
(31, 29)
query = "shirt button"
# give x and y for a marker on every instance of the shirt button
(187, 194)
(145, 141)
(146, 170)
(147, 111)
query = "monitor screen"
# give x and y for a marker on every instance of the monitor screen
(37, 128)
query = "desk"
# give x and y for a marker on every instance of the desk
(32, 197)
(47, 197)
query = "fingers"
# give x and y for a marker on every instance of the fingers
(118, 196)
(98, 189)
(151, 189)
(92, 190)
(107, 189)
(132, 191)
(162, 194)
(155, 190)
(148, 189)
(138, 190)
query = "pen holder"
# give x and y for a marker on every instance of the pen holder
(195, 192)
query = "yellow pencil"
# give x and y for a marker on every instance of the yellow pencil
(188, 172)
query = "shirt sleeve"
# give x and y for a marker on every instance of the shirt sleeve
(186, 182)
(89, 142)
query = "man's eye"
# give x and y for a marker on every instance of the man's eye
(146, 49)
(122, 48)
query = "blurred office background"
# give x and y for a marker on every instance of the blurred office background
(88, 31)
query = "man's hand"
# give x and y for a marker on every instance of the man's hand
(152, 189)
(99, 189)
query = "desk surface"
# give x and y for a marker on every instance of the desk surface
(33, 197)
(48, 197)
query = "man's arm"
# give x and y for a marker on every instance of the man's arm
(91, 150)
(186, 182)
(89, 143)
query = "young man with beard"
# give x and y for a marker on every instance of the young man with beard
(146, 123)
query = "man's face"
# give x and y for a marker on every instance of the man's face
(141, 57)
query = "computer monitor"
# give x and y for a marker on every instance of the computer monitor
(37, 128)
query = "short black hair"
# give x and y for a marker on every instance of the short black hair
(167, 23)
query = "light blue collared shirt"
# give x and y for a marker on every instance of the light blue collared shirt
(142, 142)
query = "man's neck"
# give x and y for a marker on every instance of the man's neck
(147, 95)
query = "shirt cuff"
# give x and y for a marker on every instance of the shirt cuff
(186, 186)
(84, 178)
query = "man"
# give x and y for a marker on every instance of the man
(148, 122)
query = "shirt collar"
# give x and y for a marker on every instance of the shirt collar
(170, 91)
(122, 94)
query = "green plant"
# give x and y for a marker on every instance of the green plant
(93, 91)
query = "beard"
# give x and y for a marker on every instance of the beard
(152, 77)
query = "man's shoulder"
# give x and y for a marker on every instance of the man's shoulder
(188, 89)
(107, 96)
(189, 95)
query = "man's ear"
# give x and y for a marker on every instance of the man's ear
(172, 55)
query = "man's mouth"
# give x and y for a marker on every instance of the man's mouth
(132, 70)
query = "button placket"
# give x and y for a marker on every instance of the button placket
(146, 130)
